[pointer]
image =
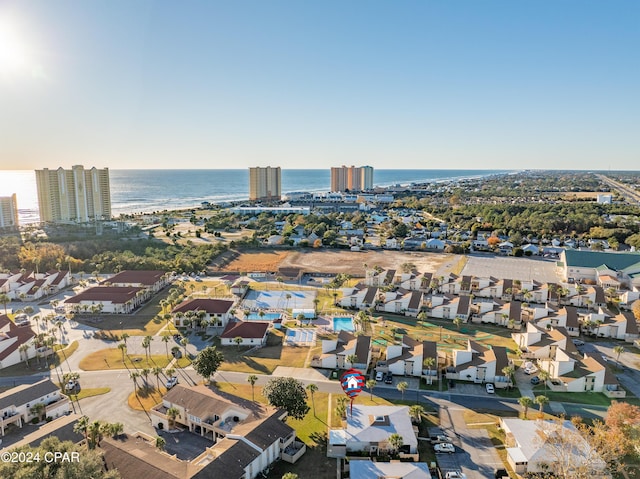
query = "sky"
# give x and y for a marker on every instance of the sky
(495, 84)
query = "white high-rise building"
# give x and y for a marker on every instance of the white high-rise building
(8, 212)
(351, 178)
(265, 183)
(76, 195)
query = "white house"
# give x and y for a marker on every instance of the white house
(252, 333)
(480, 364)
(12, 338)
(16, 404)
(407, 358)
(335, 352)
(533, 446)
(216, 312)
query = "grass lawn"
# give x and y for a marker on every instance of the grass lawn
(146, 397)
(21, 369)
(596, 399)
(264, 360)
(111, 358)
(89, 392)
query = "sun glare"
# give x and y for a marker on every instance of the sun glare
(15, 56)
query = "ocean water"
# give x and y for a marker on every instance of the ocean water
(137, 191)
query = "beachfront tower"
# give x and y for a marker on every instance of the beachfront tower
(75, 195)
(265, 184)
(8, 213)
(351, 178)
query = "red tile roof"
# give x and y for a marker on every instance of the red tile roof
(211, 306)
(148, 278)
(113, 294)
(245, 329)
(22, 334)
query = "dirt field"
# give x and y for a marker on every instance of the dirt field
(336, 261)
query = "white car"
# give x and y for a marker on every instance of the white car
(530, 368)
(379, 376)
(455, 475)
(71, 385)
(490, 389)
(578, 342)
(444, 447)
(172, 381)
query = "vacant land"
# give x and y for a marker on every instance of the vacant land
(332, 261)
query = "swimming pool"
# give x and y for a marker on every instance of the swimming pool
(343, 324)
(266, 317)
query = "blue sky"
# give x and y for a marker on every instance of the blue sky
(299, 84)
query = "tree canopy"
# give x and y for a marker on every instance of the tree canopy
(288, 394)
(88, 463)
(208, 361)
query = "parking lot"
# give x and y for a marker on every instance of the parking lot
(503, 267)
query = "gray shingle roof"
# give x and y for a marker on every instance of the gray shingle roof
(26, 393)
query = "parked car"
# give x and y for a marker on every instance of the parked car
(388, 379)
(71, 385)
(439, 438)
(578, 342)
(489, 387)
(530, 369)
(379, 376)
(535, 380)
(444, 447)
(455, 475)
(172, 381)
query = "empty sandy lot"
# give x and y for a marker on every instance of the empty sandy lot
(335, 261)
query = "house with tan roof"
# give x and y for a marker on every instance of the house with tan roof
(336, 351)
(541, 343)
(452, 307)
(480, 364)
(566, 317)
(359, 297)
(622, 326)
(244, 453)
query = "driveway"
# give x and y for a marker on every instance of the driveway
(475, 455)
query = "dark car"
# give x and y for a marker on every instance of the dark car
(452, 384)
(388, 378)
(502, 474)
(535, 380)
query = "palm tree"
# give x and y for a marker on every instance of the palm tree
(252, 379)
(123, 348)
(165, 340)
(402, 387)
(509, 371)
(341, 407)
(160, 443)
(134, 375)
(238, 340)
(544, 375)
(185, 342)
(525, 402)
(312, 388)
(429, 362)
(23, 349)
(94, 432)
(125, 336)
(416, 411)
(5, 299)
(37, 410)
(148, 340)
(81, 427)
(145, 373)
(172, 414)
(395, 441)
(371, 383)
(157, 371)
(618, 350)
(457, 322)
(541, 401)
(351, 359)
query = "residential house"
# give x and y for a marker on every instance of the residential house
(367, 469)
(368, 429)
(153, 281)
(452, 307)
(360, 298)
(532, 446)
(12, 338)
(480, 364)
(538, 343)
(107, 299)
(407, 358)
(622, 326)
(252, 333)
(16, 404)
(216, 312)
(335, 352)
(61, 428)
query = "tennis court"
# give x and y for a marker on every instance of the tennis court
(301, 337)
(278, 300)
